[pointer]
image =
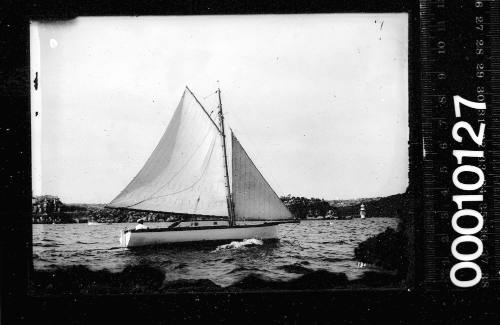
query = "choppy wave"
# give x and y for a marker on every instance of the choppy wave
(46, 245)
(301, 251)
(240, 244)
(334, 259)
(180, 266)
(242, 269)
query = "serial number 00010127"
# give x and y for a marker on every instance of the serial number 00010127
(467, 234)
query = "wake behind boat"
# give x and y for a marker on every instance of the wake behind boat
(189, 174)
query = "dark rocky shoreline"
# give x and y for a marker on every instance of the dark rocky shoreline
(386, 250)
(148, 280)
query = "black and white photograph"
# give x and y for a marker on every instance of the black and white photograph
(219, 153)
(250, 162)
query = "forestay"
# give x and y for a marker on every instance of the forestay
(253, 198)
(185, 173)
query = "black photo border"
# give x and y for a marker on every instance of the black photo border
(325, 306)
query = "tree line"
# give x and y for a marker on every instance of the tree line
(303, 208)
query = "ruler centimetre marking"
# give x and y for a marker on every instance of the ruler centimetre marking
(459, 55)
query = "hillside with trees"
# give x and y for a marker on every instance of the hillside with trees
(50, 209)
(313, 208)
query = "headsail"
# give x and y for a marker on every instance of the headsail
(185, 173)
(253, 197)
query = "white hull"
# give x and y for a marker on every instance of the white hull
(151, 237)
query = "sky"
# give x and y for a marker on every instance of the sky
(319, 101)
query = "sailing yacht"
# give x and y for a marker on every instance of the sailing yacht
(192, 172)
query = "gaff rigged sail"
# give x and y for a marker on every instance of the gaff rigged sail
(185, 172)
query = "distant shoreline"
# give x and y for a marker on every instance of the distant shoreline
(49, 209)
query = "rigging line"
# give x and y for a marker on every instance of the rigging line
(185, 164)
(215, 92)
(187, 188)
(203, 108)
(254, 147)
(155, 197)
(177, 173)
(157, 146)
(262, 176)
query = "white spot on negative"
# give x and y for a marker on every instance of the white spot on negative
(53, 43)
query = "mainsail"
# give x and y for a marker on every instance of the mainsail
(253, 198)
(185, 173)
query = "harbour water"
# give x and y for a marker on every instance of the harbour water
(311, 245)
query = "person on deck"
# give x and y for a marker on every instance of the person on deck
(140, 225)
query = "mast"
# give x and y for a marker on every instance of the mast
(230, 207)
